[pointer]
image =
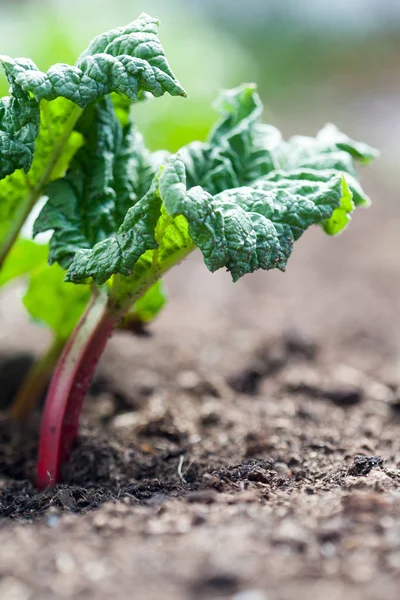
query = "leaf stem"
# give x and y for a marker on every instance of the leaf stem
(35, 382)
(35, 193)
(76, 367)
(158, 235)
(71, 379)
(151, 276)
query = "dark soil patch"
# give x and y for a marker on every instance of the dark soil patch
(305, 483)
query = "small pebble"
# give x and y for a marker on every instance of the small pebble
(188, 379)
(52, 520)
(250, 595)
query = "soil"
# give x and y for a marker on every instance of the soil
(248, 449)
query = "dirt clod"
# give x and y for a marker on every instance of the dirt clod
(362, 465)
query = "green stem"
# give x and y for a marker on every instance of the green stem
(158, 235)
(36, 382)
(36, 192)
(149, 278)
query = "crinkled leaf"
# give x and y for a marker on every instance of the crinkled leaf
(19, 128)
(243, 197)
(37, 119)
(120, 254)
(126, 60)
(55, 147)
(331, 136)
(329, 150)
(239, 149)
(244, 229)
(106, 178)
(134, 170)
(80, 208)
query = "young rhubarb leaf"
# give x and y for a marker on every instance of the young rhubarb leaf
(244, 229)
(243, 197)
(108, 176)
(127, 60)
(37, 120)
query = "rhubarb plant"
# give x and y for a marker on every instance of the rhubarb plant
(122, 216)
(38, 138)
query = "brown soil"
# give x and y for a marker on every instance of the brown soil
(249, 449)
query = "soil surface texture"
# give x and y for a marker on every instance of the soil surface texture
(248, 449)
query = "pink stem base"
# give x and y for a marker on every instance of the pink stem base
(70, 382)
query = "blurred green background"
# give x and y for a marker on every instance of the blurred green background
(313, 60)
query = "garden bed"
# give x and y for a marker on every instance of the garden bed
(249, 445)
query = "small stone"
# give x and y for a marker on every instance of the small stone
(100, 520)
(52, 520)
(282, 469)
(291, 533)
(344, 395)
(126, 420)
(250, 595)
(188, 379)
(378, 481)
(362, 465)
(65, 563)
(202, 496)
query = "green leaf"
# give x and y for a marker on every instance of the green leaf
(52, 302)
(25, 257)
(128, 60)
(331, 136)
(120, 254)
(37, 120)
(107, 177)
(55, 147)
(329, 150)
(80, 206)
(19, 128)
(239, 148)
(243, 197)
(340, 217)
(48, 299)
(244, 229)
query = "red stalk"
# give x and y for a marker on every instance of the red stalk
(70, 382)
